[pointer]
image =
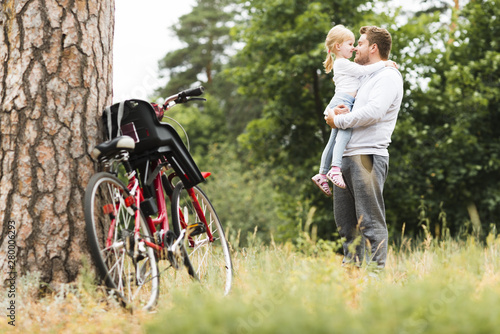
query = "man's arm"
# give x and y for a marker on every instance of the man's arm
(338, 110)
(381, 96)
(347, 67)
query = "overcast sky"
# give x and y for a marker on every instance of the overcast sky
(141, 39)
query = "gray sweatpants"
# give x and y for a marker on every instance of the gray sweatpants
(360, 211)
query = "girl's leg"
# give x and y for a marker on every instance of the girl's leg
(335, 174)
(320, 179)
(332, 154)
(326, 157)
(341, 141)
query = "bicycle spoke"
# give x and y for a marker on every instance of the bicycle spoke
(210, 260)
(110, 225)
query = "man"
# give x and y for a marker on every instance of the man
(359, 209)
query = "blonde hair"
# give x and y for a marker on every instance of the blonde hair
(337, 35)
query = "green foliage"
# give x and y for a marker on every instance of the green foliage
(203, 122)
(282, 57)
(446, 145)
(243, 195)
(205, 33)
(281, 63)
(267, 100)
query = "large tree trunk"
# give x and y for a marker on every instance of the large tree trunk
(55, 79)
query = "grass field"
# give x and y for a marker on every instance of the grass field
(429, 287)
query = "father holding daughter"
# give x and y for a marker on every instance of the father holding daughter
(359, 209)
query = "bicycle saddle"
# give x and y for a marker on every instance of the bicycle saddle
(113, 146)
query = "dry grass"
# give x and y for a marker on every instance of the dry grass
(433, 287)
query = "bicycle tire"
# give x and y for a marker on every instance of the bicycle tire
(181, 258)
(211, 261)
(112, 247)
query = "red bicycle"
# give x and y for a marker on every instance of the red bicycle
(148, 169)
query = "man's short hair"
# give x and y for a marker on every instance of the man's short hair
(379, 36)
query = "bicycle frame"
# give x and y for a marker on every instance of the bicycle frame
(200, 213)
(162, 219)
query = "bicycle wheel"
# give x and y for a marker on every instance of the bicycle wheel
(172, 259)
(211, 260)
(127, 266)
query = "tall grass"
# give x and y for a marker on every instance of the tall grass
(427, 287)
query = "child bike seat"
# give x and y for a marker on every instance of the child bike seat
(153, 139)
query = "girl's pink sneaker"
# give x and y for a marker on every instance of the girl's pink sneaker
(322, 182)
(335, 175)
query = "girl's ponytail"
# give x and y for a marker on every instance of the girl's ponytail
(328, 63)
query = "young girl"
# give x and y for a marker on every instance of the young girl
(346, 76)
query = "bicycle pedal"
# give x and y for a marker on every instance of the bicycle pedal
(196, 229)
(169, 238)
(173, 257)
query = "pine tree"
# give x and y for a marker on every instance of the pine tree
(55, 79)
(205, 34)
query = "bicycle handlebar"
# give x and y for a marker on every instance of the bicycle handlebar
(194, 92)
(182, 97)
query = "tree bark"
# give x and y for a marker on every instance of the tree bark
(55, 80)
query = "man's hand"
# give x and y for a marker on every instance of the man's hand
(338, 110)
